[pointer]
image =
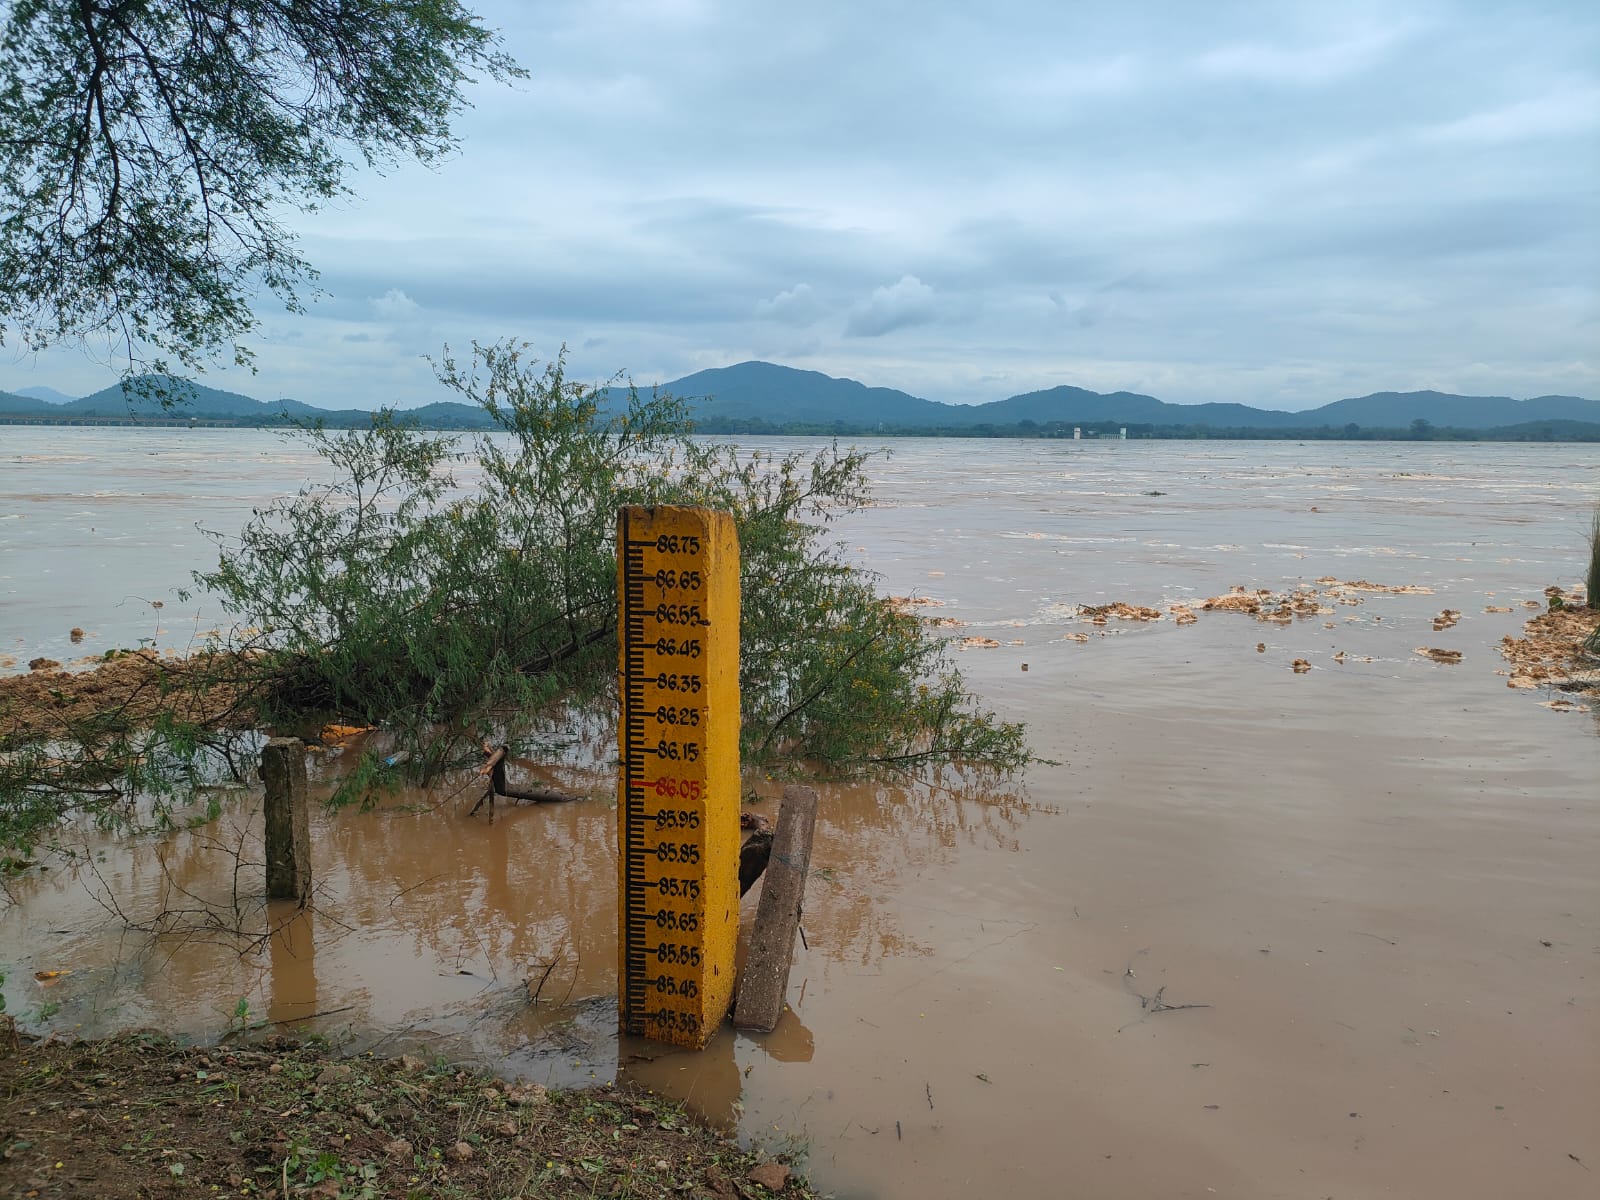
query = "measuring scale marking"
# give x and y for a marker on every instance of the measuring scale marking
(678, 803)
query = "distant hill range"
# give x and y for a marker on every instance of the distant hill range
(761, 397)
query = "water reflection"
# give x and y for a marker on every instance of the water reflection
(711, 1081)
(493, 938)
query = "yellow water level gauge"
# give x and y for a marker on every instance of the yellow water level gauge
(678, 793)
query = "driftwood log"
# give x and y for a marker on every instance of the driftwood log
(495, 770)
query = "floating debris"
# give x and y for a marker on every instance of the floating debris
(1080, 638)
(1550, 648)
(76, 635)
(1182, 614)
(1238, 600)
(982, 643)
(333, 735)
(1125, 612)
(1446, 620)
(1365, 585)
(1439, 655)
(1497, 608)
(1300, 666)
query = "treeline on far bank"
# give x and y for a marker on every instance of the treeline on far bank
(1417, 431)
(459, 418)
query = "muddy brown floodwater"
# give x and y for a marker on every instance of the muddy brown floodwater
(1260, 930)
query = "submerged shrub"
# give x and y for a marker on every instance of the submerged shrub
(452, 593)
(449, 615)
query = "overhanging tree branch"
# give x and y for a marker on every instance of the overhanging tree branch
(147, 146)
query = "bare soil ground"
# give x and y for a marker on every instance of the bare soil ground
(134, 687)
(140, 1116)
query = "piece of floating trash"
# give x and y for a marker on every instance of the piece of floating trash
(1261, 647)
(76, 635)
(1446, 619)
(49, 977)
(1080, 638)
(339, 733)
(1182, 614)
(1438, 655)
(1300, 666)
(984, 643)
(1564, 705)
(1489, 608)
(43, 664)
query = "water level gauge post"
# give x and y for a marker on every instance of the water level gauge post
(678, 785)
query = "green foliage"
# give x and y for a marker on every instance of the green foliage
(150, 148)
(112, 765)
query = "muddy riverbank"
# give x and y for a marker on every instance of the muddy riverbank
(140, 1116)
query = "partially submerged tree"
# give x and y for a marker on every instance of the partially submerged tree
(150, 149)
(451, 594)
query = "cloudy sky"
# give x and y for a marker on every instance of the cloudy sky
(1277, 203)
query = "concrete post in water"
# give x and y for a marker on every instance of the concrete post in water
(283, 770)
(765, 981)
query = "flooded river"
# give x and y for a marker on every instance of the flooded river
(1254, 932)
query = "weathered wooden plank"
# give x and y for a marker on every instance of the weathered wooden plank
(765, 981)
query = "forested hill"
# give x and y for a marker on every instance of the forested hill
(761, 397)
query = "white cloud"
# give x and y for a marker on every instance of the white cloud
(1313, 62)
(798, 306)
(1564, 113)
(899, 306)
(394, 305)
